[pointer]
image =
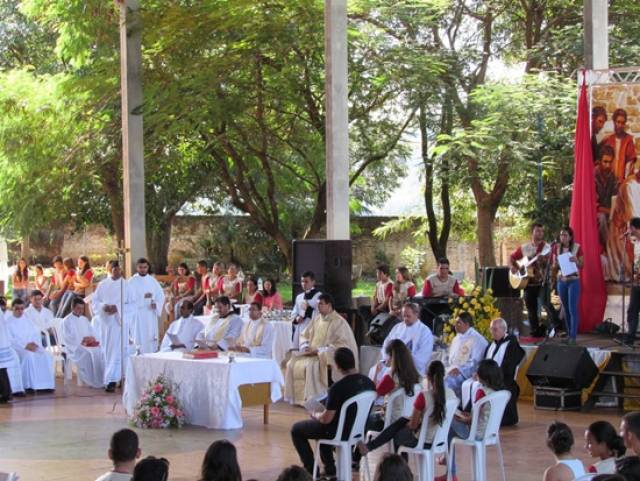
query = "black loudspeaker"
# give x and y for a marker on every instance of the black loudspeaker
(330, 261)
(497, 278)
(568, 367)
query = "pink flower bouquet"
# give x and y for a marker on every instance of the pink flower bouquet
(158, 407)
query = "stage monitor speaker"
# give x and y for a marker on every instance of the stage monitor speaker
(568, 367)
(330, 261)
(497, 278)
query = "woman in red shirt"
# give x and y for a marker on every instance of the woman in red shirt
(68, 278)
(253, 294)
(271, 297)
(183, 286)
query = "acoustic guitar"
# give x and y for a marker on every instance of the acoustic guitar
(520, 278)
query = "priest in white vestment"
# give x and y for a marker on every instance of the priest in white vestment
(466, 351)
(224, 328)
(305, 307)
(36, 363)
(148, 298)
(416, 336)
(306, 376)
(186, 329)
(81, 345)
(8, 358)
(112, 323)
(41, 316)
(257, 334)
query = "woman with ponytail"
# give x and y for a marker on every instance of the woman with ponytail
(601, 440)
(431, 402)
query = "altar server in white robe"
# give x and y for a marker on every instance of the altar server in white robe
(224, 329)
(186, 329)
(305, 307)
(82, 347)
(416, 336)
(41, 317)
(256, 337)
(10, 359)
(466, 351)
(110, 297)
(148, 298)
(36, 362)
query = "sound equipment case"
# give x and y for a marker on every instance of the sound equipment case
(556, 399)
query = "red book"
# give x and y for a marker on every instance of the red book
(200, 355)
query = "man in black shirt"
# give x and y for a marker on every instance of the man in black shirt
(323, 424)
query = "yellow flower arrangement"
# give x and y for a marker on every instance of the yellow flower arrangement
(481, 305)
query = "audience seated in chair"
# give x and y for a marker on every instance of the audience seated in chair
(294, 473)
(629, 468)
(602, 441)
(123, 451)
(323, 424)
(560, 441)
(630, 431)
(307, 372)
(151, 469)
(220, 463)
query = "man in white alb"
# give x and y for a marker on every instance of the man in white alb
(224, 329)
(41, 317)
(82, 346)
(186, 329)
(112, 323)
(417, 337)
(305, 307)
(466, 351)
(36, 362)
(148, 298)
(256, 337)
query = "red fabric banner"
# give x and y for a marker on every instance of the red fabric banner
(593, 291)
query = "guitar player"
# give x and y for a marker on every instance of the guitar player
(538, 287)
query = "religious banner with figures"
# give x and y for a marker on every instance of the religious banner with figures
(615, 140)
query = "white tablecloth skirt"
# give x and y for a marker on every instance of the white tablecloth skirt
(208, 389)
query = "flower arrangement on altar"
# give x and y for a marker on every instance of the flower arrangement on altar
(158, 408)
(481, 305)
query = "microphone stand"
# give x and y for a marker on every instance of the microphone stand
(546, 293)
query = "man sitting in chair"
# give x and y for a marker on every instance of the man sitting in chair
(222, 330)
(323, 424)
(507, 353)
(307, 375)
(256, 338)
(465, 352)
(184, 329)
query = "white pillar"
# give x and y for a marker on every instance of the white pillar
(337, 121)
(596, 34)
(132, 134)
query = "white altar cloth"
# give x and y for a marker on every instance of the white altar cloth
(208, 388)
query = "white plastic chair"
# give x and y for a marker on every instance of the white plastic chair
(59, 351)
(363, 403)
(397, 396)
(491, 437)
(426, 458)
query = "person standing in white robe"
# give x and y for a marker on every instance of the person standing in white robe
(40, 316)
(6, 361)
(305, 307)
(256, 337)
(111, 322)
(465, 353)
(82, 346)
(416, 336)
(186, 329)
(9, 359)
(224, 329)
(36, 363)
(148, 298)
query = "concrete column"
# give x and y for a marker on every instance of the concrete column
(337, 121)
(596, 35)
(132, 134)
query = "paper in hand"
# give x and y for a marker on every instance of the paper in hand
(313, 405)
(567, 267)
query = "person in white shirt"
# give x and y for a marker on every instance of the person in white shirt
(82, 346)
(9, 360)
(305, 307)
(41, 317)
(416, 335)
(123, 451)
(147, 298)
(256, 337)
(112, 323)
(186, 329)
(466, 351)
(224, 329)
(36, 363)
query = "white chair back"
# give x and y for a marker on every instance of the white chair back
(440, 437)
(497, 403)
(56, 325)
(363, 403)
(399, 396)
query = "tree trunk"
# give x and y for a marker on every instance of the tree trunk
(486, 215)
(158, 239)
